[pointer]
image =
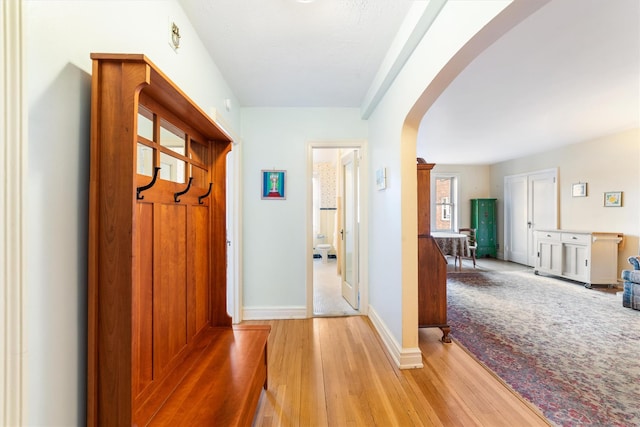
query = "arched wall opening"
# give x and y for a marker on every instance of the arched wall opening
(511, 16)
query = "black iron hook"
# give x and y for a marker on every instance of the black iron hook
(200, 202)
(148, 186)
(176, 196)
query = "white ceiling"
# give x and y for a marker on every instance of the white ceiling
(569, 73)
(283, 53)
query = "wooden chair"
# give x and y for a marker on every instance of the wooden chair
(473, 245)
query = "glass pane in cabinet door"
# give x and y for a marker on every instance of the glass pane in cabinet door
(145, 160)
(145, 122)
(171, 169)
(172, 137)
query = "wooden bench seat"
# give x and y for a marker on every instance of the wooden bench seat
(222, 381)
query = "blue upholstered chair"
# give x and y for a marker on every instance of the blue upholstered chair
(631, 293)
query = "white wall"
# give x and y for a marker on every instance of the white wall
(274, 231)
(59, 38)
(393, 219)
(610, 163)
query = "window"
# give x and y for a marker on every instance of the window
(444, 201)
(168, 146)
(446, 209)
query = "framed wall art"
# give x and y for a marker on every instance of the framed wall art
(381, 178)
(273, 184)
(613, 199)
(579, 189)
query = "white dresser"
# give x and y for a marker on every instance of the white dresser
(587, 257)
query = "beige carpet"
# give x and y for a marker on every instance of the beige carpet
(327, 293)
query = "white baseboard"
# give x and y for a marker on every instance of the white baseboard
(273, 313)
(405, 358)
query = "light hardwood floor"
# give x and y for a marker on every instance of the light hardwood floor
(335, 372)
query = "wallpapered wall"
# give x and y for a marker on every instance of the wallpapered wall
(326, 172)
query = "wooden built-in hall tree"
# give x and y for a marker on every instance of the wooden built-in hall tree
(162, 349)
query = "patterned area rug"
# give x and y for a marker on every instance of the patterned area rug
(572, 352)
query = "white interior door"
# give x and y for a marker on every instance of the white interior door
(516, 247)
(531, 203)
(349, 232)
(543, 207)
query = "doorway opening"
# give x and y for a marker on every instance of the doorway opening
(335, 222)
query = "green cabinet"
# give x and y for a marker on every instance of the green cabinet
(483, 219)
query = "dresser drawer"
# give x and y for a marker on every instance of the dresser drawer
(548, 235)
(584, 239)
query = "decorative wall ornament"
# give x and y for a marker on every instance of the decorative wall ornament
(273, 184)
(613, 199)
(579, 189)
(174, 34)
(381, 178)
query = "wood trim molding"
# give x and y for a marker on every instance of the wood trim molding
(273, 313)
(13, 161)
(404, 358)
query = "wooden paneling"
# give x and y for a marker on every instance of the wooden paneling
(111, 251)
(200, 300)
(143, 300)
(169, 291)
(218, 254)
(432, 273)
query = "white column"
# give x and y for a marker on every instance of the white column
(13, 161)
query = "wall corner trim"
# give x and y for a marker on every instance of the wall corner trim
(13, 162)
(404, 358)
(387, 75)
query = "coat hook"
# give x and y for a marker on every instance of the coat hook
(176, 196)
(148, 186)
(200, 202)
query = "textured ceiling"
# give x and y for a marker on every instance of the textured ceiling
(282, 53)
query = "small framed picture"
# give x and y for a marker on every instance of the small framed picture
(613, 199)
(579, 189)
(273, 185)
(381, 178)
